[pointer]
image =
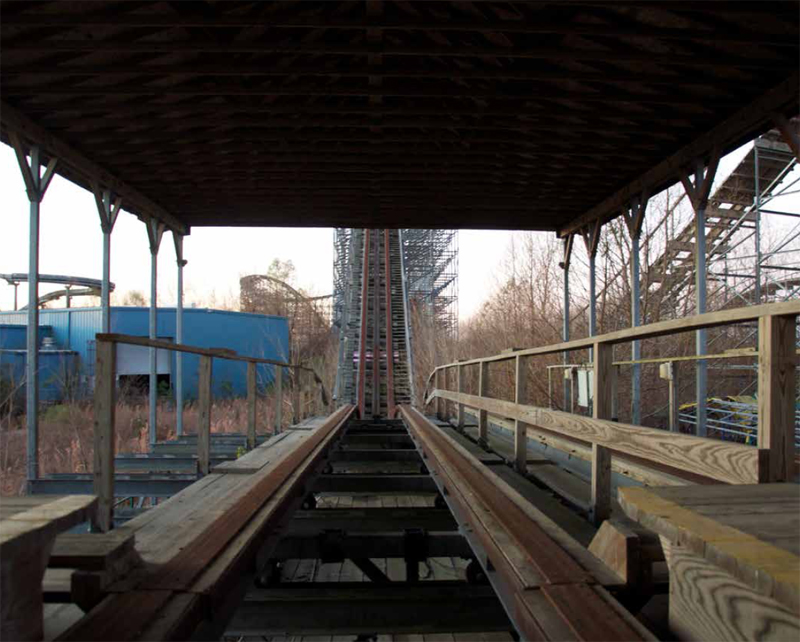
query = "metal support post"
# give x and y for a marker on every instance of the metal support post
(565, 332)
(108, 212)
(591, 238)
(698, 193)
(178, 239)
(155, 230)
(36, 185)
(634, 218)
(757, 288)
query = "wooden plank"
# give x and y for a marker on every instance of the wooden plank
(777, 362)
(26, 538)
(49, 518)
(767, 568)
(708, 603)
(580, 450)
(268, 452)
(204, 375)
(567, 519)
(474, 449)
(252, 400)
(105, 405)
(91, 551)
(723, 461)
(218, 552)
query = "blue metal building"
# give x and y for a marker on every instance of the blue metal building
(68, 342)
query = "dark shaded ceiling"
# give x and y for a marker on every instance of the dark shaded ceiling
(519, 115)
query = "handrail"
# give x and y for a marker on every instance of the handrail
(772, 460)
(217, 353)
(105, 405)
(651, 331)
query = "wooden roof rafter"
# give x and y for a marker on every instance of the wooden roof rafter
(519, 100)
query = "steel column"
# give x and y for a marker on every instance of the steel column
(32, 345)
(155, 229)
(698, 193)
(178, 239)
(636, 320)
(700, 308)
(108, 213)
(635, 219)
(565, 331)
(36, 185)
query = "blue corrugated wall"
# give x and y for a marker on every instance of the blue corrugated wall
(248, 334)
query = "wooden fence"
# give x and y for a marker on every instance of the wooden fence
(105, 405)
(732, 463)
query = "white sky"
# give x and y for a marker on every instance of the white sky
(71, 243)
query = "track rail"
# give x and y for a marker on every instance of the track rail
(382, 379)
(550, 589)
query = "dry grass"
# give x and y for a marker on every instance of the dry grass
(66, 442)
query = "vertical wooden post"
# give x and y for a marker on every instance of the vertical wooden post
(601, 456)
(104, 414)
(296, 396)
(252, 400)
(204, 420)
(520, 428)
(460, 407)
(483, 417)
(278, 399)
(777, 361)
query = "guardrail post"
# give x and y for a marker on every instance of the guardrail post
(252, 400)
(296, 397)
(104, 414)
(278, 399)
(204, 422)
(520, 428)
(460, 407)
(777, 361)
(483, 416)
(601, 456)
(439, 400)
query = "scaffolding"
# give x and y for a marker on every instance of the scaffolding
(431, 264)
(748, 262)
(431, 259)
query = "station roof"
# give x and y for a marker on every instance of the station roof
(518, 115)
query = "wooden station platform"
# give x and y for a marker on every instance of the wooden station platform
(733, 554)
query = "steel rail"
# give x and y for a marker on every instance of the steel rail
(362, 349)
(376, 327)
(146, 596)
(539, 582)
(389, 329)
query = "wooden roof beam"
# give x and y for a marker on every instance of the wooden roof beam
(729, 134)
(90, 172)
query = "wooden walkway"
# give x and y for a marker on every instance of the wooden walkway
(733, 554)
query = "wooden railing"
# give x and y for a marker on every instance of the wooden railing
(105, 405)
(732, 463)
